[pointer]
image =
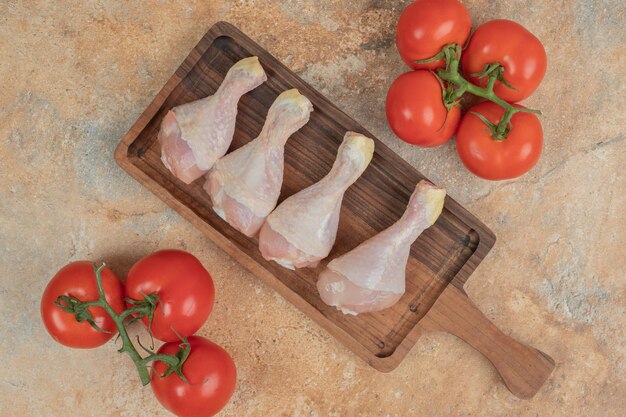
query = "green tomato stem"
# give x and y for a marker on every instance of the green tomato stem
(133, 310)
(127, 345)
(504, 122)
(174, 362)
(490, 83)
(92, 304)
(452, 75)
(169, 360)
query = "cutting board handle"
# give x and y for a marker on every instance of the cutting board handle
(524, 369)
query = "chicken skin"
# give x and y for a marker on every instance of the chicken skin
(194, 135)
(245, 184)
(371, 277)
(302, 229)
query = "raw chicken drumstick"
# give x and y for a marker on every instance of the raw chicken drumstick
(245, 184)
(194, 135)
(371, 277)
(302, 229)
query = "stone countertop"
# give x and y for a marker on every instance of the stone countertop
(75, 75)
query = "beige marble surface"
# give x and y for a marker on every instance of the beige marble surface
(74, 76)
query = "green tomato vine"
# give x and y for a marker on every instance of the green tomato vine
(144, 308)
(458, 86)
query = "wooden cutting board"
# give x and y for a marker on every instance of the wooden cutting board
(441, 259)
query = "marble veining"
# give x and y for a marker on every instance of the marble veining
(74, 76)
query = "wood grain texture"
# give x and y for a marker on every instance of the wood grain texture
(444, 256)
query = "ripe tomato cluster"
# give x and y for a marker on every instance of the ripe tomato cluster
(502, 62)
(84, 306)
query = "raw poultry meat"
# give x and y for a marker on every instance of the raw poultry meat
(245, 185)
(194, 135)
(302, 229)
(371, 277)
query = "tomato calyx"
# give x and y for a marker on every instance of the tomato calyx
(174, 362)
(493, 72)
(449, 96)
(457, 86)
(493, 128)
(80, 310)
(184, 349)
(440, 55)
(143, 308)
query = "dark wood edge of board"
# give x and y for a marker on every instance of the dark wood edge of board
(486, 238)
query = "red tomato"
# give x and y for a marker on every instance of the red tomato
(78, 279)
(515, 48)
(426, 26)
(185, 290)
(498, 160)
(415, 110)
(211, 374)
